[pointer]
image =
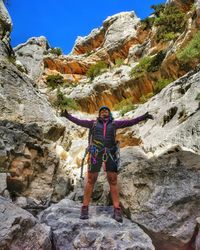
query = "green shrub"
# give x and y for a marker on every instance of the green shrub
(147, 64)
(3, 170)
(160, 84)
(12, 59)
(169, 36)
(191, 50)
(96, 69)
(145, 98)
(170, 20)
(56, 51)
(198, 97)
(147, 23)
(118, 62)
(54, 81)
(63, 102)
(88, 53)
(124, 106)
(193, 7)
(158, 9)
(141, 68)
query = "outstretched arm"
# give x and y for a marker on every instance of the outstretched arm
(77, 121)
(131, 122)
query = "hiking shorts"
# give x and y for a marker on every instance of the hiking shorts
(110, 164)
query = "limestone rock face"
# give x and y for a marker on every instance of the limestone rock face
(120, 34)
(162, 195)
(20, 230)
(19, 100)
(99, 232)
(28, 160)
(88, 43)
(5, 29)
(176, 111)
(109, 88)
(115, 37)
(31, 55)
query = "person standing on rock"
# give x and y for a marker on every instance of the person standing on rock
(102, 152)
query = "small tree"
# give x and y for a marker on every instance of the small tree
(56, 51)
(96, 69)
(158, 9)
(191, 50)
(161, 83)
(54, 81)
(62, 102)
(170, 20)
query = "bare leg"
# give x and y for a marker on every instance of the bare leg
(112, 180)
(91, 179)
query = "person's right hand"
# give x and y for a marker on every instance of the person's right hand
(64, 112)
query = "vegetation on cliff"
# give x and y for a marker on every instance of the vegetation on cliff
(96, 69)
(62, 102)
(169, 20)
(124, 106)
(147, 64)
(191, 50)
(54, 81)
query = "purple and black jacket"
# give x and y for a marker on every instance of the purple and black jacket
(104, 129)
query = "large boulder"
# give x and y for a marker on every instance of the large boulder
(30, 161)
(21, 230)
(99, 232)
(162, 196)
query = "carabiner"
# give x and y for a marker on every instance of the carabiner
(104, 157)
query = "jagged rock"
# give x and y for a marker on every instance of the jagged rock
(20, 230)
(71, 65)
(116, 36)
(20, 101)
(176, 111)
(29, 161)
(31, 55)
(89, 43)
(3, 182)
(162, 196)
(120, 34)
(109, 88)
(99, 232)
(5, 29)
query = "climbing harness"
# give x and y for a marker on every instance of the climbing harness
(96, 147)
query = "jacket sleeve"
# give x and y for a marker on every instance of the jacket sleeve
(128, 123)
(80, 122)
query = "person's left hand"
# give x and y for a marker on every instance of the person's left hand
(148, 116)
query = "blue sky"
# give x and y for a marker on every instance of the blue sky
(62, 21)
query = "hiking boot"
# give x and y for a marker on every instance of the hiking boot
(84, 213)
(117, 214)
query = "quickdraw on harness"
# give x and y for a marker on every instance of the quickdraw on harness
(95, 147)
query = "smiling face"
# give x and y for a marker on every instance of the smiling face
(104, 113)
